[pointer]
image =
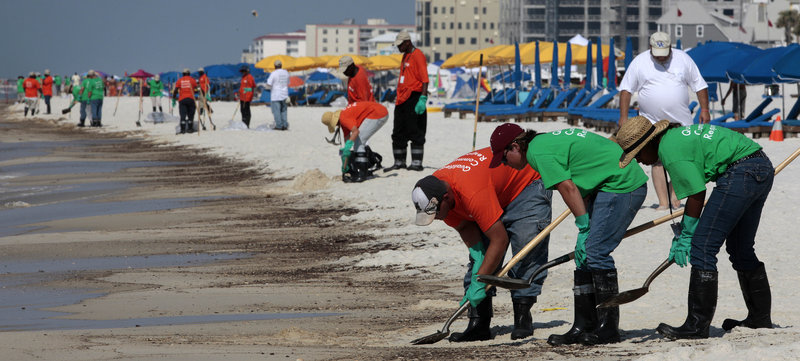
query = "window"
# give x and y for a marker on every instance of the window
(467, 26)
(350, 40)
(459, 26)
(473, 41)
(452, 10)
(444, 25)
(484, 10)
(700, 31)
(727, 12)
(436, 41)
(449, 55)
(350, 31)
(324, 31)
(475, 10)
(484, 26)
(491, 26)
(449, 41)
(435, 9)
(451, 26)
(324, 49)
(461, 41)
(324, 40)
(678, 31)
(351, 49)
(434, 25)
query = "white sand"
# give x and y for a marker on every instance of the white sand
(309, 164)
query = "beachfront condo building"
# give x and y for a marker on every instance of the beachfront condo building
(347, 37)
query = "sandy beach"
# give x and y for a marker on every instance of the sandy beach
(308, 267)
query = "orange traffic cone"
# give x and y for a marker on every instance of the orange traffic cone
(777, 130)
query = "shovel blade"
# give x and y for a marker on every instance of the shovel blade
(432, 338)
(624, 297)
(504, 282)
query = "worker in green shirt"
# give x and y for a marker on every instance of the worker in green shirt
(96, 90)
(56, 85)
(156, 92)
(604, 199)
(694, 156)
(20, 89)
(83, 96)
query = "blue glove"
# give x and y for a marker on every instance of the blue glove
(582, 222)
(682, 244)
(174, 102)
(422, 104)
(477, 290)
(208, 97)
(346, 151)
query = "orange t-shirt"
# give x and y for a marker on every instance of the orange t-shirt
(204, 83)
(31, 87)
(186, 86)
(47, 85)
(413, 73)
(481, 193)
(355, 113)
(249, 83)
(358, 88)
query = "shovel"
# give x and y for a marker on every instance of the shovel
(440, 335)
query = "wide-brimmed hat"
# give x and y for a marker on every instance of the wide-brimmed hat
(502, 136)
(331, 119)
(427, 195)
(634, 134)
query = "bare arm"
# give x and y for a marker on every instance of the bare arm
(572, 197)
(702, 98)
(354, 134)
(624, 105)
(694, 204)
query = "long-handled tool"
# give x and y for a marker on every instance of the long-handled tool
(207, 107)
(234, 111)
(633, 295)
(518, 284)
(477, 102)
(440, 335)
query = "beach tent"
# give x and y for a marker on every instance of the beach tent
(465, 87)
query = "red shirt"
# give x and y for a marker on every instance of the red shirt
(355, 113)
(249, 83)
(204, 83)
(481, 193)
(186, 86)
(413, 73)
(358, 87)
(47, 85)
(32, 87)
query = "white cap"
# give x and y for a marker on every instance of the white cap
(278, 64)
(428, 193)
(660, 44)
(401, 37)
(344, 62)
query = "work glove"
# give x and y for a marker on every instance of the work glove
(682, 244)
(346, 151)
(477, 290)
(582, 222)
(174, 103)
(422, 104)
(248, 90)
(208, 97)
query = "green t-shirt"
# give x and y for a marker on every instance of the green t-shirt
(56, 80)
(591, 161)
(697, 154)
(20, 87)
(76, 93)
(156, 87)
(97, 87)
(85, 85)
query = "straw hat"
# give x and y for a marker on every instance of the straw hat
(634, 134)
(331, 119)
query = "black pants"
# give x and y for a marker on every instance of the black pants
(245, 112)
(408, 125)
(187, 108)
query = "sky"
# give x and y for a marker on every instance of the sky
(68, 36)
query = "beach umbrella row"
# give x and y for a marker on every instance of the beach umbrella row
(505, 54)
(746, 64)
(375, 63)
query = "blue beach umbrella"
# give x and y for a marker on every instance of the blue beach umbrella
(537, 68)
(588, 84)
(517, 69)
(567, 66)
(715, 58)
(554, 66)
(599, 60)
(758, 70)
(612, 67)
(628, 52)
(788, 67)
(678, 44)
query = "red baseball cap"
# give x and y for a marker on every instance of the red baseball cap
(501, 138)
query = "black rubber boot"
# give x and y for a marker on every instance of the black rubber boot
(361, 164)
(757, 298)
(585, 315)
(399, 159)
(417, 151)
(154, 109)
(702, 302)
(607, 331)
(26, 112)
(159, 109)
(523, 322)
(478, 329)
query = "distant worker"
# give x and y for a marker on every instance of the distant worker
(739, 97)
(246, 87)
(20, 89)
(278, 82)
(184, 91)
(32, 91)
(47, 89)
(205, 86)
(359, 121)
(56, 84)
(76, 80)
(96, 91)
(156, 92)
(83, 96)
(358, 87)
(410, 116)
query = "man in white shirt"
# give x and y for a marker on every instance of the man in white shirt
(661, 76)
(278, 82)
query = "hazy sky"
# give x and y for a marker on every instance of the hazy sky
(113, 36)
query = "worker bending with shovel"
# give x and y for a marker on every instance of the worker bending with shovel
(693, 156)
(359, 121)
(489, 208)
(604, 199)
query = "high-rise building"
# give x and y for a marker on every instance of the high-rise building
(292, 44)
(448, 27)
(347, 37)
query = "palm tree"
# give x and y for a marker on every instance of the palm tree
(789, 20)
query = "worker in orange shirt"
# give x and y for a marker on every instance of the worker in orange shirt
(184, 91)
(47, 89)
(410, 116)
(205, 85)
(32, 91)
(358, 87)
(246, 88)
(359, 121)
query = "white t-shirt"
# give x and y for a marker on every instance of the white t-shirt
(662, 88)
(279, 81)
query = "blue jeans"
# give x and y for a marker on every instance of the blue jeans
(524, 218)
(279, 113)
(733, 213)
(610, 214)
(83, 111)
(97, 109)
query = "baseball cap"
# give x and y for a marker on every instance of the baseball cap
(186, 71)
(501, 138)
(660, 43)
(278, 63)
(344, 62)
(401, 37)
(47, 71)
(428, 193)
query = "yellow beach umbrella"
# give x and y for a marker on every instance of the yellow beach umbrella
(383, 62)
(304, 63)
(457, 60)
(357, 59)
(268, 63)
(489, 56)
